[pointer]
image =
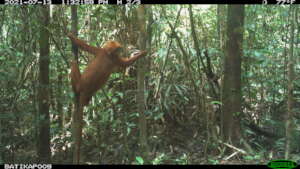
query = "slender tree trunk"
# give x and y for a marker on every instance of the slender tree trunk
(78, 110)
(2, 121)
(91, 36)
(44, 154)
(291, 78)
(1, 144)
(74, 29)
(221, 28)
(59, 96)
(232, 72)
(141, 13)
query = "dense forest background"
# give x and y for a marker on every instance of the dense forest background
(219, 85)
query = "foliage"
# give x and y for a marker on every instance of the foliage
(181, 109)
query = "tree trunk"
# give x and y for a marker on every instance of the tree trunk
(74, 29)
(231, 97)
(78, 110)
(44, 154)
(141, 13)
(59, 96)
(221, 29)
(291, 78)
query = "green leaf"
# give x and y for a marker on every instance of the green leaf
(168, 91)
(121, 94)
(236, 113)
(139, 160)
(216, 102)
(128, 131)
(178, 90)
(248, 157)
(114, 100)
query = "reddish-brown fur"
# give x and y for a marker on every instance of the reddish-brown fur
(93, 78)
(99, 69)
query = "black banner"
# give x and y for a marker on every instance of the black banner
(137, 2)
